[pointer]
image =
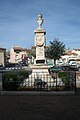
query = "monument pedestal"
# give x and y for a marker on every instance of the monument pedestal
(40, 45)
(39, 68)
(40, 71)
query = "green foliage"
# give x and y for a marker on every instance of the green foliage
(64, 77)
(55, 50)
(12, 80)
(33, 52)
(7, 54)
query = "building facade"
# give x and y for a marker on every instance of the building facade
(71, 56)
(2, 56)
(17, 54)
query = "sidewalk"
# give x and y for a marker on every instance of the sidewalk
(38, 93)
(39, 107)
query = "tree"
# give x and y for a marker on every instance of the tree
(7, 55)
(55, 50)
(33, 52)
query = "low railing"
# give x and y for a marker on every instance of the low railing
(42, 82)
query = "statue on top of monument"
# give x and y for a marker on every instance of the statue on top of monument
(40, 21)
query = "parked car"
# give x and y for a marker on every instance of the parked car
(56, 69)
(1, 67)
(67, 68)
(70, 68)
(13, 66)
(23, 63)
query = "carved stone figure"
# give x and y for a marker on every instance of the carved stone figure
(40, 21)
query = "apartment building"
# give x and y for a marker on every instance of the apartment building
(71, 55)
(18, 54)
(2, 56)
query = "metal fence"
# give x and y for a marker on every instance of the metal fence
(61, 81)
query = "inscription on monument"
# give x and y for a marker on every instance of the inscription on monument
(40, 53)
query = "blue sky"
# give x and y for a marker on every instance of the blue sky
(18, 19)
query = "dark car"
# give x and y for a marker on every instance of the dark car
(70, 68)
(56, 69)
(1, 67)
(23, 63)
(66, 68)
(13, 66)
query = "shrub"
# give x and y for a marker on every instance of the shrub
(13, 79)
(64, 77)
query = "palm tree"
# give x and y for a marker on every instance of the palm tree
(55, 50)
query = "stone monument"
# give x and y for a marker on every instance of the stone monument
(40, 68)
(40, 41)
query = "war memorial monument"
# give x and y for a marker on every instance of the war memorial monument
(40, 67)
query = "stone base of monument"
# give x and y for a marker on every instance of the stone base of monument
(39, 72)
(39, 68)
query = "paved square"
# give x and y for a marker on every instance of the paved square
(40, 107)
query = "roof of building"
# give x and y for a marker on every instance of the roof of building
(22, 49)
(17, 48)
(2, 49)
(77, 49)
(70, 53)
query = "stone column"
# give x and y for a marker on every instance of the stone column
(40, 41)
